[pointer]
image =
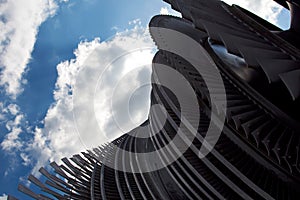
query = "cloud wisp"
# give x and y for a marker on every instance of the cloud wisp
(19, 23)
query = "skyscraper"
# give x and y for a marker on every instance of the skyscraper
(224, 117)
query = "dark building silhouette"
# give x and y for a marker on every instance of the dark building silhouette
(257, 154)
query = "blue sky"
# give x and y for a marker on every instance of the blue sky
(53, 54)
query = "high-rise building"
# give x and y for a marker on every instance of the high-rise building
(224, 120)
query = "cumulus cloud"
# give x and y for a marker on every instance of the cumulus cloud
(92, 92)
(267, 9)
(19, 23)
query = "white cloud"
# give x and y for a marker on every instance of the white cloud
(19, 23)
(6, 111)
(40, 151)
(25, 158)
(167, 10)
(13, 109)
(164, 11)
(82, 95)
(267, 9)
(12, 140)
(3, 197)
(2, 113)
